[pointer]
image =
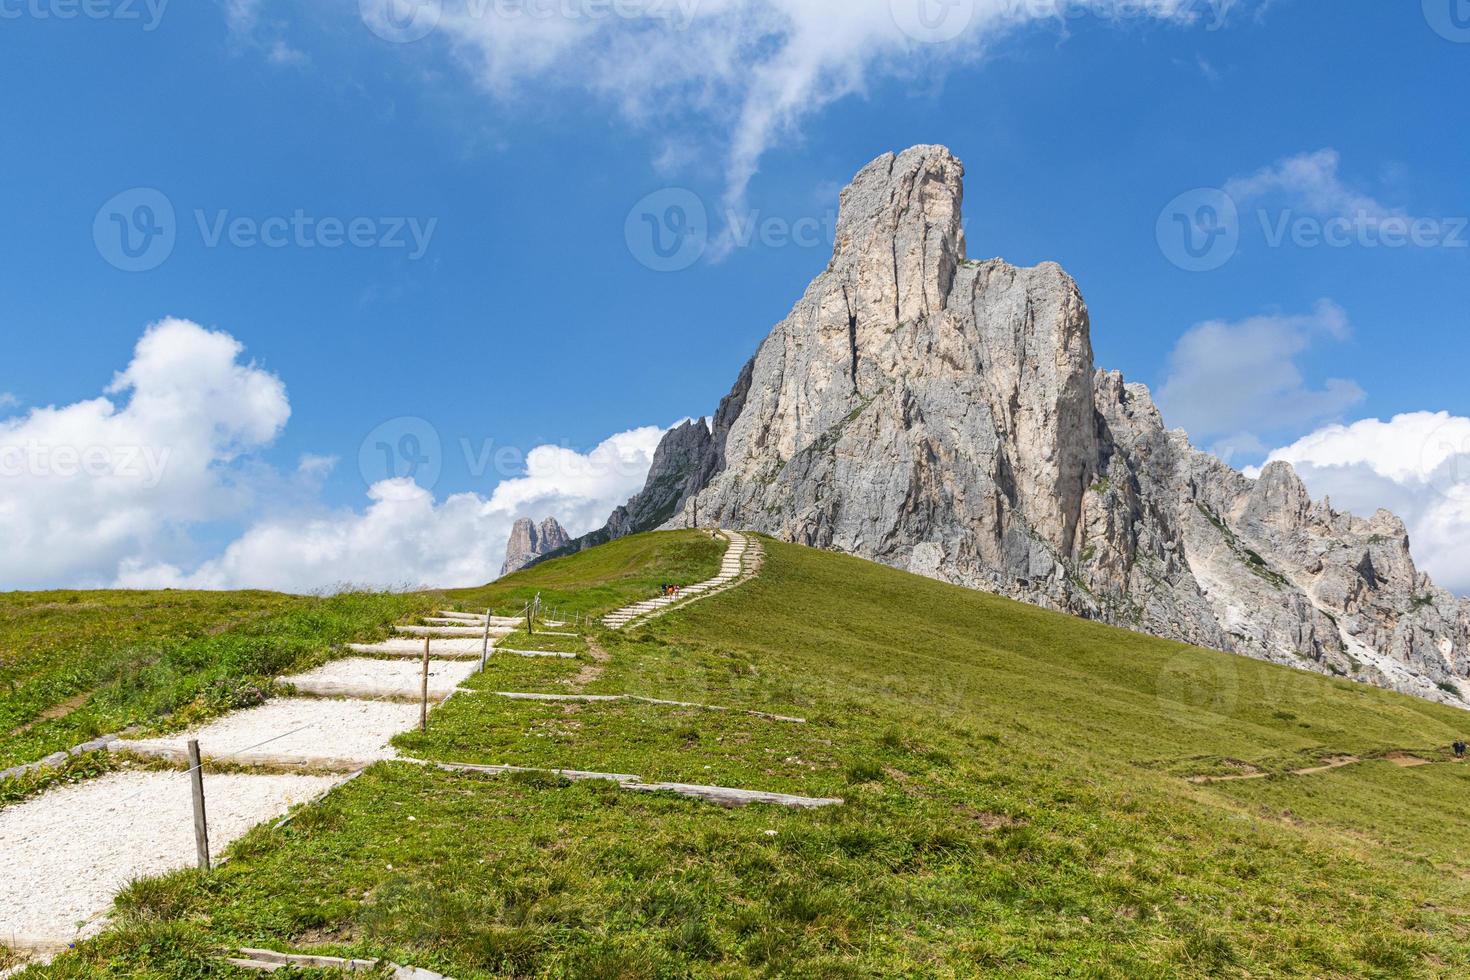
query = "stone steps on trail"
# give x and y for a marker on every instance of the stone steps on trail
(452, 630)
(449, 649)
(602, 698)
(270, 960)
(415, 652)
(68, 851)
(576, 775)
(478, 619)
(732, 568)
(359, 677)
(723, 795)
(290, 733)
(727, 797)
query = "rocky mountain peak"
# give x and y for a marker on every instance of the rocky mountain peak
(945, 416)
(900, 236)
(529, 541)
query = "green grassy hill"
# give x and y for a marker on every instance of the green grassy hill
(75, 665)
(1019, 803)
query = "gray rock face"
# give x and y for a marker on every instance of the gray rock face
(529, 542)
(944, 416)
(681, 465)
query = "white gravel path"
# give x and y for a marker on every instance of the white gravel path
(116, 828)
(298, 729)
(365, 677)
(416, 647)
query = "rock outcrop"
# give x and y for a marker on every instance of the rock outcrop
(944, 415)
(528, 542)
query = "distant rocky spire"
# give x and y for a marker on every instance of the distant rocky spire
(529, 542)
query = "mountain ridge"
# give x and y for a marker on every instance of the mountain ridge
(944, 415)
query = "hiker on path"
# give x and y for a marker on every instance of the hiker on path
(1460, 749)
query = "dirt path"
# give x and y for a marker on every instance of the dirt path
(593, 670)
(1400, 758)
(55, 711)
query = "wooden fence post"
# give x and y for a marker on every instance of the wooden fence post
(485, 651)
(201, 824)
(424, 702)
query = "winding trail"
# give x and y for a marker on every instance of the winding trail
(1400, 758)
(741, 562)
(71, 849)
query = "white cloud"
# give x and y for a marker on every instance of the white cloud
(1416, 465)
(9, 400)
(750, 70)
(406, 537)
(1310, 181)
(85, 485)
(1235, 382)
(248, 30)
(112, 490)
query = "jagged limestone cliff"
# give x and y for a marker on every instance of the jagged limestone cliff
(944, 415)
(529, 542)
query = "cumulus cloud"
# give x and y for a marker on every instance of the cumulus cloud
(1417, 465)
(405, 537)
(1234, 383)
(750, 70)
(113, 490)
(83, 486)
(1310, 181)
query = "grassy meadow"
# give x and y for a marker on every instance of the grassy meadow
(1018, 797)
(75, 665)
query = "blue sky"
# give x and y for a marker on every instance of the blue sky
(519, 152)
